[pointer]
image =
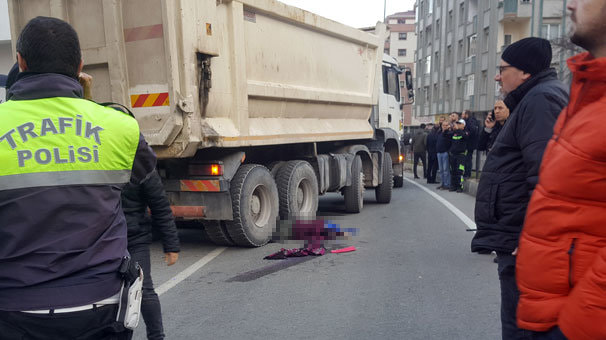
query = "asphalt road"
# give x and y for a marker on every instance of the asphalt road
(412, 277)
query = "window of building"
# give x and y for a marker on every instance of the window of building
(386, 51)
(462, 13)
(401, 21)
(436, 93)
(484, 81)
(450, 22)
(460, 88)
(402, 52)
(438, 27)
(430, 6)
(486, 39)
(469, 86)
(402, 36)
(427, 64)
(436, 58)
(428, 36)
(471, 46)
(448, 54)
(461, 51)
(507, 40)
(447, 89)
(550, 31)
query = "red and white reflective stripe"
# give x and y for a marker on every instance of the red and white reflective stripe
(200, 185)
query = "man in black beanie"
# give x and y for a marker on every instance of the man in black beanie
(535, 97)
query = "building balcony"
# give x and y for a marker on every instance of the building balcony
(512, 9)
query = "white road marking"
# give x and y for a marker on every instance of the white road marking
(471, 226)
(189, 271)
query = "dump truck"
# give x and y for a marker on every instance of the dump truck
(253, 107)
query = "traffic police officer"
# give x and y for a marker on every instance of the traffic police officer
(64, 161)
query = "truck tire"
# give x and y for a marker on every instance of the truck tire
(383, 191)
(297, 189)
(398, 181)
(254, 198)
(216, 231)
(354, 194)
(274, 167)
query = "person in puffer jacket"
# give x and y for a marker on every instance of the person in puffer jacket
(561, 265)
(535, 97)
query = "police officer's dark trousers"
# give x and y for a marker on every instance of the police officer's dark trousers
(98, 323)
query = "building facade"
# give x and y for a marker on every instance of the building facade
(401, 44)
(459, 46)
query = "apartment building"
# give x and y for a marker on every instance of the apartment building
(401, 44)
(459, 46)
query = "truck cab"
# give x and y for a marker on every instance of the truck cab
(390, 99)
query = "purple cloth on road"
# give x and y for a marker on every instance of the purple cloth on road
(296, 252)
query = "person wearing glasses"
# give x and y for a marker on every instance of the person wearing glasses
(535, 97)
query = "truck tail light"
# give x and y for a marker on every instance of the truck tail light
(401, 158)
(213, 169)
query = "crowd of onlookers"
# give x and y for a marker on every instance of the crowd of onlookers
(447, 147)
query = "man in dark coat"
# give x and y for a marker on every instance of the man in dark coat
(432, 156)
(419, 149)
(535, 98)
(492, 126)
(136, 199)
(472, 128)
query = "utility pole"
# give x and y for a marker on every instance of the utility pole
(532, 21)
(540, 18)
(384, 10)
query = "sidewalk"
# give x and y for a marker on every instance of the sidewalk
(470, 186)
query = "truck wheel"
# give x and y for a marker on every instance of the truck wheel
(383, 191)
(354, 194)
(254, 198)
(297, 189)
(216, 231)
(398, 181)
(274, 167)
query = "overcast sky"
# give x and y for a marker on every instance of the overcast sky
(358, 14)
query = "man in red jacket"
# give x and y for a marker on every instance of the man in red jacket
(561, 265)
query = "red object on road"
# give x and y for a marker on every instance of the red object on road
(343, 250)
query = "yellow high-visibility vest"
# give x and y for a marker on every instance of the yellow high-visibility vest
(64, 141)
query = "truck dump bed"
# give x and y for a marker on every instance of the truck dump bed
(220, 73)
